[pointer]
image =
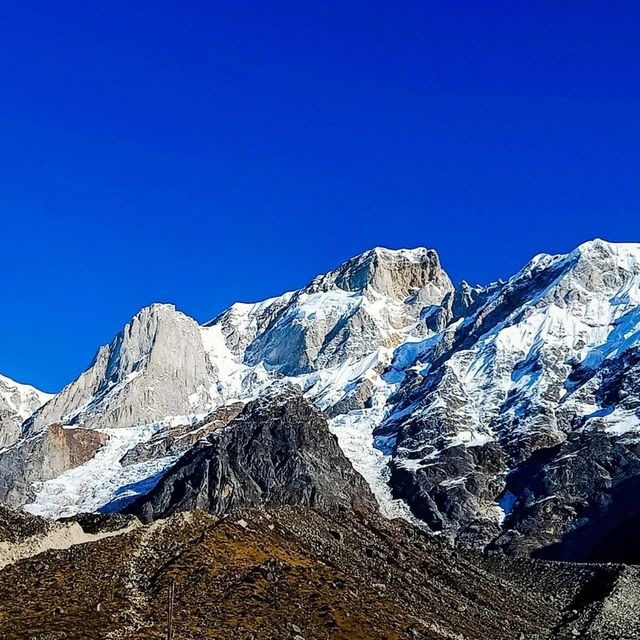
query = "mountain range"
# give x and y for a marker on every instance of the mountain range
(502, 417)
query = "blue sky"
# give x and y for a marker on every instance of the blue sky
(204, 152)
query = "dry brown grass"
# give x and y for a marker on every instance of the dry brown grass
(290, 573)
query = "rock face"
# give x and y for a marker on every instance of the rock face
(44, 456)
(277, 451)
(576, 501)
(17, 403)
(372, 300)
(156, 367)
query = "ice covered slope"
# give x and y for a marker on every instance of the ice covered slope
(551, 352)
(17, 403)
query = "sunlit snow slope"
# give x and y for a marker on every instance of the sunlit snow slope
(17, 403)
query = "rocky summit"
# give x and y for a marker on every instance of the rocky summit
(430, 448)
(278, 451)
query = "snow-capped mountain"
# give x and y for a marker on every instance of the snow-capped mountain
(164, 364)
(17, 403)
(332, 338)
(524, 385)
(486, 412)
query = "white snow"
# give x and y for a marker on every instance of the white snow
(103, 479)
(244, 315)
(23, 399)
(416, 255)
(620, 422)
(469, 438)
(327, 304)
(355, 437)
(230, 372)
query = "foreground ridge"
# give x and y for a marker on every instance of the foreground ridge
(294, 572)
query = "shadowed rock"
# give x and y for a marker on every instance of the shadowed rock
(277, 451)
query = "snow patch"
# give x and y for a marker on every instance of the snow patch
(102, 480)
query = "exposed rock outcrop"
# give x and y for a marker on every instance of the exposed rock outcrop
(176, 440)
(277, 451)
(156, 367)
(576, 501)
(43, 456)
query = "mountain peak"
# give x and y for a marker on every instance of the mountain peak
(624, 254)
(156, 309)
(155, 367)
(600, 243)
(394, 273)
(17, 402)
(415, 255)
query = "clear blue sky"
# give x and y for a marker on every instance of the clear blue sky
(203, 152)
